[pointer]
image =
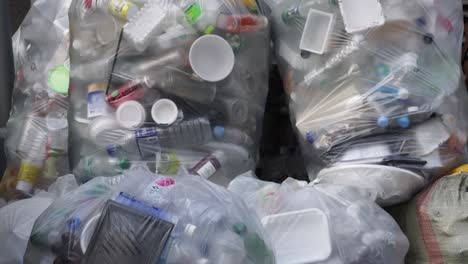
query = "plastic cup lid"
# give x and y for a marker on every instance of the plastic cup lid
(59, 79)
(164, 112)
(131, 114)
(211, 58)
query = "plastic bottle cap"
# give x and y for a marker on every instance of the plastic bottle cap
(24, 186)
(239, 228)
(382, 121)
(74, 223)
(164, 112)
(124, 164)
(403, 93)
(131, 114)
(59, 79)
(211, 58)
(218, 131)
(310, 137)
(404, 122)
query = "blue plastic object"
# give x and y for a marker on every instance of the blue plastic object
(218, 131)
(404, 122)
(382, 121)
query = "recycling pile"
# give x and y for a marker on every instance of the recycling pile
(175, 86)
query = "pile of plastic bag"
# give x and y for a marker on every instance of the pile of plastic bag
(174, 85)
(37, 132)
(375, 83)
(322, 223)
(140, 217)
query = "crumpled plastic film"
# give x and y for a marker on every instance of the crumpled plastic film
(140, 217)
(37, 132)
(173, 85)
(374, 82)
(323, 223)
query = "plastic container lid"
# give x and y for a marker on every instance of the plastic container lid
(317, 30)
(306, 241)
(211, 58)
(131, 114)
(218, 131)
(164, 112)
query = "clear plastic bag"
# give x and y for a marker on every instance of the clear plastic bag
(37, 131)
(184, 219)
(323, 223)
(177, 85)
(378, 82)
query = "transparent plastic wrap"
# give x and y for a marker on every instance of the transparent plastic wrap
(143, 218)
(173, 84)
(374, 82)
(37, 132)
(323, 223)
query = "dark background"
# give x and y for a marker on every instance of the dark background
(18, 9)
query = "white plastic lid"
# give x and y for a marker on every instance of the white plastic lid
(131, 114)
(306, 241)
(211, 58)
(164, 112)
(24, 186)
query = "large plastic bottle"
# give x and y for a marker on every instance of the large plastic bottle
(110, 162)
(146, 141)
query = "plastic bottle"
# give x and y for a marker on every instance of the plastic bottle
(256, 248)
(182, 85)
(232, 135)
(187, 133)
(109, 163)
(209, 165)
(31, 166)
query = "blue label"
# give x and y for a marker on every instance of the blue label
(96, 104)
(147, 141)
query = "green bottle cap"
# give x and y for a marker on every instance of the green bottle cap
(192, 13)
(59, 79)
(114, 93)
(239, 228)
(124, 164)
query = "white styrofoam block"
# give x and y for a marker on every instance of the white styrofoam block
(359, 15)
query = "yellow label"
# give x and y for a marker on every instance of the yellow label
(29, 172)
(120, 8)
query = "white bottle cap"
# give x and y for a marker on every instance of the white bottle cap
(24, 186)
(131, 114)
(211, 58)
(164, 112)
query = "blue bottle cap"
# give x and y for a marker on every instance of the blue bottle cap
(73, 223)
(111, 150)
(382, 122)
(218, 131)
(404, 122)
(310, 137)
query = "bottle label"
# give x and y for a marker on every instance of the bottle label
(156, 189)
(97, 105)
(207, 170)
(120, 8)
(147, 141)
(29, 172)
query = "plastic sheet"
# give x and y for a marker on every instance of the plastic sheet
(37, 131)
(377, 82)
(176, 85)
(143, 218)
(323, 223)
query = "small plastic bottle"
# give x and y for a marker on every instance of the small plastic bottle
(31, 166)
(232, 135)
(110, 163)
(121, 9)
(209, 165)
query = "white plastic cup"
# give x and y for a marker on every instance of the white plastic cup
(131, 114)
(211, 58)
(164, 112)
